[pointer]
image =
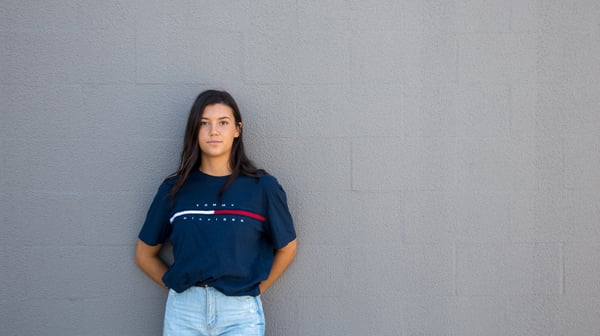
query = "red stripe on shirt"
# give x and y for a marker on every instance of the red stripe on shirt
(241, 213)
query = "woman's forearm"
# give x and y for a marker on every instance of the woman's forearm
(148, 259)
(283, 258)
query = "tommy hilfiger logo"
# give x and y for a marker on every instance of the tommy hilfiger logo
(217, 212)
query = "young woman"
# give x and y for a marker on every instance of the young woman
(228, 223)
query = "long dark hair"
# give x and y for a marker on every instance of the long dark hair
(191, 157)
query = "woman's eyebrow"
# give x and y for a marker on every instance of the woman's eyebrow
(219, 118)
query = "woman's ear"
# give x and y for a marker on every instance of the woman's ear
(238, 129)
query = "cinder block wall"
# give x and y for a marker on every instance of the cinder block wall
(441, 158)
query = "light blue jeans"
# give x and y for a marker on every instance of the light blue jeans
(204, 311)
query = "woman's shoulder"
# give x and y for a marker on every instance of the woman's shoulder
(167, 184)
(262, 178)
(170, 180)
(270, 183)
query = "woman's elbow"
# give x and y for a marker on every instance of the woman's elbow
(144, 252)
(138, 259)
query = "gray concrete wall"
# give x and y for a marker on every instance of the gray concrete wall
(441, 158)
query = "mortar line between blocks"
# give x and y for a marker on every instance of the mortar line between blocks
(562, 268)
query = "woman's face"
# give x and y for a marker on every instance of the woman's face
(217, 131)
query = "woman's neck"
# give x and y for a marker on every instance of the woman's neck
(214, 168)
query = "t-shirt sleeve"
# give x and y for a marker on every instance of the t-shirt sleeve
(279, 220)
(156, 228)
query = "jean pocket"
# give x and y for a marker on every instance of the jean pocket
(258, 304)
(246, 303)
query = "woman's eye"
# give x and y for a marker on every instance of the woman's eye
(203, 123)
(224, 123)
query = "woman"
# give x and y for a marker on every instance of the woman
(229, 225)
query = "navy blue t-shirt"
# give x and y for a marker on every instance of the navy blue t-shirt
(227, 244)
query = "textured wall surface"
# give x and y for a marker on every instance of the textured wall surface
(441, 158)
